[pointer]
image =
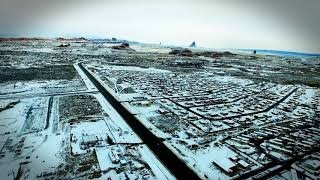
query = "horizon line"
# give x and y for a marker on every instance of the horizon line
(93, 38)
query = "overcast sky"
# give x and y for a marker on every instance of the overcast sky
(264, 24)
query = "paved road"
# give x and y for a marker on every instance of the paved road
(49, 112)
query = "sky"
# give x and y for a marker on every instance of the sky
(256, 24)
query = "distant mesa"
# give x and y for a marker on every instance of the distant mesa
(123, 46)
(181, 52)
(71, 39)
(64, 45)
(211, 54)
(22, 39)
(193, 44)
(43, 39)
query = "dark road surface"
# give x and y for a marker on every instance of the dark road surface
(49, 112)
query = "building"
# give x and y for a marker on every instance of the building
(88, 141)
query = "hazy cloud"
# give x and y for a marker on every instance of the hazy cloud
(271, 24)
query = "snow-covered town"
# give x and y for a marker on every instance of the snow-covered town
(116, 109)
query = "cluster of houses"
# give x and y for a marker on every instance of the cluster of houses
(274, 113)
(279, 142)
(310, 165)
(232, 165)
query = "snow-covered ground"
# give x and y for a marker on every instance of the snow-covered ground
(39, 88)
(223, 116)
